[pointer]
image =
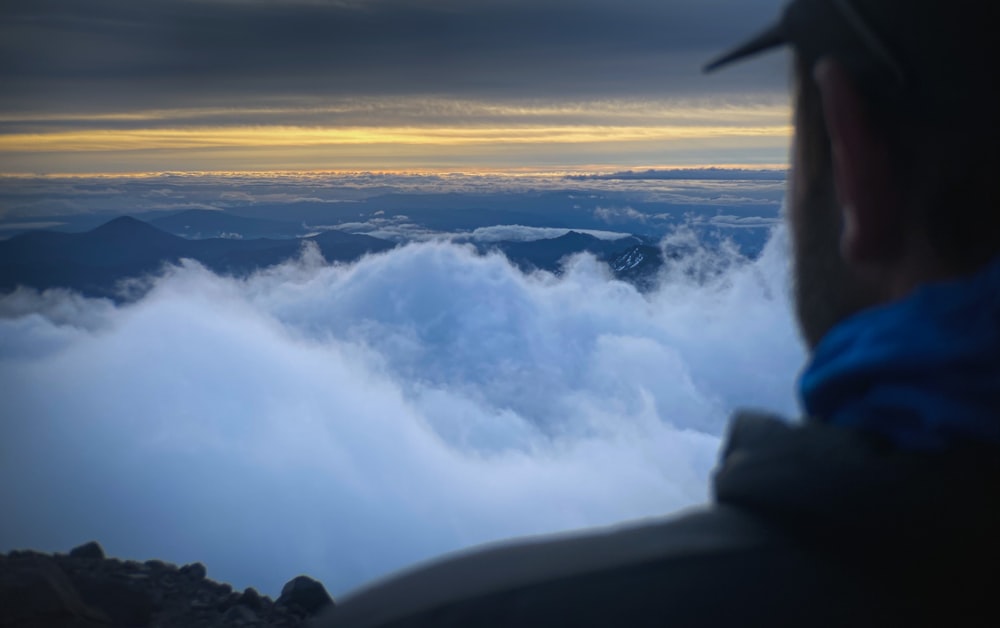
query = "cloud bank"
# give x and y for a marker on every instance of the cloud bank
(344, 421)
(220, 85)
(113, 55)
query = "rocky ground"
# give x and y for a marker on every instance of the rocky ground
(86, 589)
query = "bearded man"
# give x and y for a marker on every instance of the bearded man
(882, 507)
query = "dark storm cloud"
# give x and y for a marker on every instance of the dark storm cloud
(63, 54)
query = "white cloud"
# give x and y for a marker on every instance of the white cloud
(750, 222)
(30, 225)
(622, 214)
(344, 421)
(396, 228)
(521, 233)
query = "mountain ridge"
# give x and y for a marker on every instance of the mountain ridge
(95, 262)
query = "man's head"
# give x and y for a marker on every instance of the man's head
(895, 148)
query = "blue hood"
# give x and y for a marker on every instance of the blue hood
(923, 371)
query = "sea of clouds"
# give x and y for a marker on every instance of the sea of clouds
(345, 421)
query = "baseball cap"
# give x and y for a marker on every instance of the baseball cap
(931, 54)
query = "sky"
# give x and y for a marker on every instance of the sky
(344, 421)
(116, 86)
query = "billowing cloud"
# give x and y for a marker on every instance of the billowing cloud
(344, 421)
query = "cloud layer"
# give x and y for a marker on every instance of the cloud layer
(263, 85)
(166, 53)
(344, 421)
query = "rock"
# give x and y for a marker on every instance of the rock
(229, 601)
(240, 614)
(126, 603)
(79, 591)
(34, 591)
(159, 566)
(91, 550)
(306, 593)
(251, 599)
(194, 570)
(25, 554)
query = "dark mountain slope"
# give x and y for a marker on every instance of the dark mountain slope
(340, 246)
(95, 262)
(548, 254)
(203, 223)
(638, 265)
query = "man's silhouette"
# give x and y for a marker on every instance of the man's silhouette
(882, 506)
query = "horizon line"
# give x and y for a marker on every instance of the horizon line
(595, 169)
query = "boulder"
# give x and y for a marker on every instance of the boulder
(240, 614)
(251, 599)
(194, 570)
(91, 550)
(305, 593)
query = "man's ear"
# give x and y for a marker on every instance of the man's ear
(866, 188)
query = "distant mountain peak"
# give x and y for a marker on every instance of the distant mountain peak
(125, 224)
(131, 232)
(576, 236)
(123, 220)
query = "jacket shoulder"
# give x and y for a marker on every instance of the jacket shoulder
(706, 567)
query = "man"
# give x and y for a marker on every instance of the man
(883, 507)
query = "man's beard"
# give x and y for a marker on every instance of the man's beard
(827, 289)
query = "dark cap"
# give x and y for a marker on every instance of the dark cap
(935, 53)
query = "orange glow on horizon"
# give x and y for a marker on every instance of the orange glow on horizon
(292, 137)
(419, 135)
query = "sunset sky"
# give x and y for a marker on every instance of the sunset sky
(113, 86)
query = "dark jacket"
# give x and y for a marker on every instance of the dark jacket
(812, 525)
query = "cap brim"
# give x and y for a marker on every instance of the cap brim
(771, 38)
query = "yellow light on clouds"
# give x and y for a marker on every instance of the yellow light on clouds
(264, 137)
(376, 133)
